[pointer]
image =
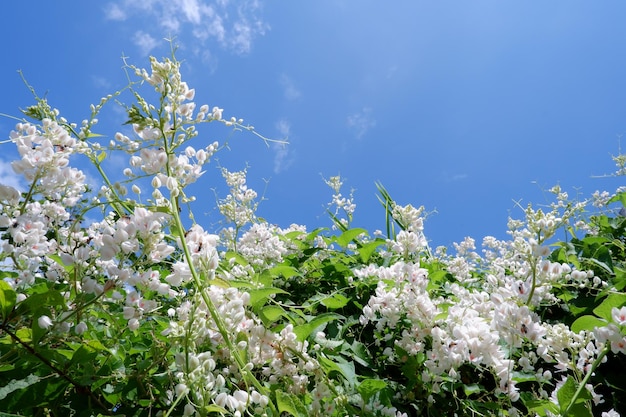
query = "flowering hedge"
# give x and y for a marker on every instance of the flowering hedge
(116, 304)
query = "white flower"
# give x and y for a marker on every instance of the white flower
(133, 324)
(80, 328)
(181, 389)
(44, 322)
(189, 410)
(619, 315)
(10, 194)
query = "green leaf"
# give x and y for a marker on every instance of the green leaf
(620, 279)
(565, 394)
(587, 323)
(284, 270)
(304, 330)
(523, 377)
(341, 366)
(366, 251)
(621, 197)
(368, 388)
(270, 314)
(360, 354)
(289, 403)
(349, 235)
(7, 299)
(56, 258)
(335, 301)
(239, 259)
(437, 278)
(214, 408)
(541, 407)
(84, 355)
(7, 367)
(471, 389)
(24, 334)
(20, 384)
(259, 295)
(604, 309)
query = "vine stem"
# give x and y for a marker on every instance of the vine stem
(582, 384)
(248, 377)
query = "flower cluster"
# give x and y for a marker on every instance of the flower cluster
(119, 303)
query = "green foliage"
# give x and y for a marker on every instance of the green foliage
(129, 310)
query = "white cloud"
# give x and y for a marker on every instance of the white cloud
(283, 127)
(145, 42)
(290, 90)
(8, 177)
(361, 122)
(101, 82)
(283, 154)
(234, 25)
(191, 9)
(454, 177)
(114, 12)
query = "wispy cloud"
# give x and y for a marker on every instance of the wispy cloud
(8, 177)
(454, 177)
(361, 122)
(113, 12)
(144, 42)
(101, 82)
(290, 90)
(283, 154)
(234, 25)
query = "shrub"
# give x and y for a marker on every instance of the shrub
(115, 305)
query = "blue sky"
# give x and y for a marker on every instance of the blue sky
(463, 107)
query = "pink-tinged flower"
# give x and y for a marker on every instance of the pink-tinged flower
(44, 322)
(619, 315)
(619, 346)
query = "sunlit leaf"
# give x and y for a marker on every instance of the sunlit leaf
(341, 366)
(290, 404)
(335, 301)
(304, 330)
(349, 235)
(615, 300)
(8, 298)
(370, 387)
(260, 294)
(285, 271)
(270, 314)
(368, 249)
(587, 323)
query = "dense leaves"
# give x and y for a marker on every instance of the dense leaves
(115, 305)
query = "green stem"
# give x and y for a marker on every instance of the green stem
(199, 285)
(248, 377)
(591, 371)
(533, 267)
(119, 206)
(533, 285)
(30, 193)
